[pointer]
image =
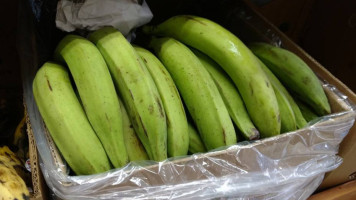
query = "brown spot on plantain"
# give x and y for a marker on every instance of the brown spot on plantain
(134, 122)
(224, 135)
(255, 135)
(267, 83)
(143, 126)
(140, 145)
(150, 109)
(49, 84)
(164, 72)
(161, 111)
(251, 88)
(144, 60)
(193, 19)
(167, 121)
(306, 80)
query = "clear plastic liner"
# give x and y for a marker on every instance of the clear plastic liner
(287, 166)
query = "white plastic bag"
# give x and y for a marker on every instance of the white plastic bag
(90, 15)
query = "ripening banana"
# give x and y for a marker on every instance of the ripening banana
(231, 97)
(20, 140)
(298, 118)
(15, 161)
(236, 60)
(295, 74)
(308, 114)
(137, 89)
(67, 122)
(5, 151)
(134, 147)
(198, 91)
(288, 122)
(20, 136)
(12, 186)
(177, 124)
(97, 93)
(196, 145)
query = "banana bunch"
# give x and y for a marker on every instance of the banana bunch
(199, 92)
(12, 186)
(67, 122)
(198, 89)
(295, 74)
(236, 60)
(97, 93)
(257, 70)
(291, 115)
(231, 97)
(177, 126)
(137, 89)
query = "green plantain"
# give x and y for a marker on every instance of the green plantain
(134, 147)
(235, 58)
(67, 122)
(295, 74)
(196, 145)
(177, 124)
(137, 89)
(231, 97)
(97, 93)
(198, 91)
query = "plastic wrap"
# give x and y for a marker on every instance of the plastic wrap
(287, 166)
(92, 15)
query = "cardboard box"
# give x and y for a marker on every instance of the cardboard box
(39, 187)
(213, 162)
(341, 192)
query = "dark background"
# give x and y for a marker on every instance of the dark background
(325, 29)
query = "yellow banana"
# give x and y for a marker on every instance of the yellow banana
(196, 145)
(5, 151)
(67, 122)
(177, 124)
(235, 58)
(97, 93)
(198, 91)
(137, 89)
(11, 184)
(295, 74)
(231, 97)
(15, 161)
(20, 140)
(134, 147)
(20, 134)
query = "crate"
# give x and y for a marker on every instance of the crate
(180, 175)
